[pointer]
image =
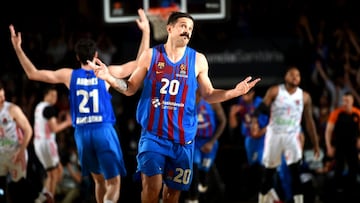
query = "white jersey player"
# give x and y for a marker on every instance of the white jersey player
(46, 125)
(287, 105)
(15, 135)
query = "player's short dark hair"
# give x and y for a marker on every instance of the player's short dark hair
(85, 49)
(348, 93)
(174, 16)
(47, 88)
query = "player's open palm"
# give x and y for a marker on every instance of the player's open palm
(15, 37)
(244, 86)
(143, 22)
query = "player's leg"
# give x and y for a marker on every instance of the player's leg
(18, 181)
(170, 195)
(293, 153)
(271, 160)
(100, 186)
(178, 171)
(109, 162)
(112, 189)
(193, 193)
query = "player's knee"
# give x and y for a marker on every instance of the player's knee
(113, 182)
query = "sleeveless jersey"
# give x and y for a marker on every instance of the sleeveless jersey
(41, 126)
(10, 135)
(246, 113)
(90, 102)
(286, 111)
(167, 106)
(206, 120)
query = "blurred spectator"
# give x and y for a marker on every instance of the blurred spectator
(106, 48)
(342, 132)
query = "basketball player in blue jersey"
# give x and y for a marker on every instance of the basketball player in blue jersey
(170, 75)
(286, 104)
(211, 125)
(240, 115)
(91, 110)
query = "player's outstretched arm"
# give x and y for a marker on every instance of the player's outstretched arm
(212, 95)
(310, 124)
(48, 76)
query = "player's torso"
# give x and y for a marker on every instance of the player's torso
(286, 111)
(206, 120)
(169, 95)
(10, 134)
(90, 101)
(41, 126)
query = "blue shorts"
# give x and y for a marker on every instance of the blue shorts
(162, 156)
(203, 160)
(99, 150)
(254, 149)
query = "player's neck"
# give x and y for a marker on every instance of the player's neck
(173, 52)
(86, 67)
(290, 88)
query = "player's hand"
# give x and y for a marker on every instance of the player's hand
(207, 147)
(331, 151)
(19, 157)
(68, 119)
(244, 86)
(316, 152)
(143, 22)
(100, 69)
(15, 37)
(255, 130)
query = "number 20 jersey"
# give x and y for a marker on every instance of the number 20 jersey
(167, 107)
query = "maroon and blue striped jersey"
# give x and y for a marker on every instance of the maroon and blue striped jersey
(206, 120)
(167, 106)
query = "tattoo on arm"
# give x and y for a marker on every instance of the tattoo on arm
(121, 85)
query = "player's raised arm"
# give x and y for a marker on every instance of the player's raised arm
(48, 76)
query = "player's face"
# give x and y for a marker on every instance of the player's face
(181, 31)
(293, 77)
(53, 96)
(348, 101)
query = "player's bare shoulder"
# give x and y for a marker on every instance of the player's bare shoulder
(273, 91)
(145, 58)
(200, 58)
(201, 63)
(14, 110)
(271, 94)
(306, 98)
